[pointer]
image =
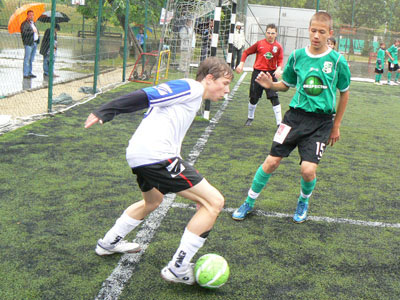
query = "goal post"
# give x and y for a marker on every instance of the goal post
(150, 67)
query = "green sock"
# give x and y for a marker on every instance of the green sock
(389, 76)
(379, 77)
(376, 78)
(306, 189)
(259, 182)
(397, 76)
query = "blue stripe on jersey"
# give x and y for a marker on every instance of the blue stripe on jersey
(167, 91)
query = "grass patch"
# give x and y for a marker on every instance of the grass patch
(62, 190)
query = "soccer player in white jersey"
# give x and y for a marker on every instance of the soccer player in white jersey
(153, 154)
(313, 120)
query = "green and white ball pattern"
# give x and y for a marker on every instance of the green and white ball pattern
(211, 271)
(313, 86)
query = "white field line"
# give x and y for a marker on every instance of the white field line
(112, 287)
(312, 218)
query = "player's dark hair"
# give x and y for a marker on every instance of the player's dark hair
(272, 26)
(27, 13)
(332, 40)
(215, 66)
(322, 16)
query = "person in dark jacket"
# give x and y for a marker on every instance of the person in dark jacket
(30, 38)
(45, 49)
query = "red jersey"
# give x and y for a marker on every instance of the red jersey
(268, 56)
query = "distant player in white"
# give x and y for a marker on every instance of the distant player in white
(153, 154)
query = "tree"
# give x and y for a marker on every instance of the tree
(114, 12)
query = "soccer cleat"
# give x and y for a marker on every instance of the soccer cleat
(391, 83)
(242, 212)
(248, 122)
(301, 212)
(187, 278)
(121, 247)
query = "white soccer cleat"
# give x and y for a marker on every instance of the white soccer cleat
(187, 278)
(121, 247)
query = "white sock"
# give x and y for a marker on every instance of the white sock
(121, 228)
(278, 115)
(252, 110)
(190, 244)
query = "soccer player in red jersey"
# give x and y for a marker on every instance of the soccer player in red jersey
(269, 58)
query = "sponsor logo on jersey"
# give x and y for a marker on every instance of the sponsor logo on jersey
(163, 89)
(313, 85)
(268, 55)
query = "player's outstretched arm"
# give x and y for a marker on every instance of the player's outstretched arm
(91, 120)
(128, 103)
(265, 80)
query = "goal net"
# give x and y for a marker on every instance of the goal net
(188, 30)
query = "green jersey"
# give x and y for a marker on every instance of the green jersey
(316, 78)
(393, 52)
(380, 59)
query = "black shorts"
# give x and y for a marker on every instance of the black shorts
(309, 132)
(256, 90)
(392, 67)
(170, 176)
(378, 71)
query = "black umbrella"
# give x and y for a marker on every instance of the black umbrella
(60, 17)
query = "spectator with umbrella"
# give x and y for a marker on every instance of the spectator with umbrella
(30, 38)
(45, 49)
(23, 20)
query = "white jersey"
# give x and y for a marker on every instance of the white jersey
(172, 108)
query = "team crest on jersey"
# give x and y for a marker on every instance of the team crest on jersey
(275, 49)
(268, 55)
(327, 67)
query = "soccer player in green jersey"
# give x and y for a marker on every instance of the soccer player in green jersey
(393, 65)
(380, 62)
(313, 120)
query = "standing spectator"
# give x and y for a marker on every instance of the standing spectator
(185, 36)
(30, 38)
(141, 37)
(238, 44)
(45, 49)
(206, 37)
(313, 119)
(380, 62)
(269, 58)
(393, 65)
